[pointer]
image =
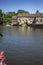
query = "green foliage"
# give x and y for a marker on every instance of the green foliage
(37, 11)
(6, 17)
(10, 14)
(22, 11)
(1, 17)
(17, 23)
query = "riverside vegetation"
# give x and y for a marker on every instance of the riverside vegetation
(6, 17)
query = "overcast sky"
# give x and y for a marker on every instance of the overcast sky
(28, 5)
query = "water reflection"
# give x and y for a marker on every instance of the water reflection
(36, 29)
(22, 45)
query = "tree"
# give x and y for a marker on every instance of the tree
(37, 11)
(1, 17)
(34, 21)
(8, 17)
(22, 11)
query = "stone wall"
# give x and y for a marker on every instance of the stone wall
(27, 18)
(23, 20)
(39, 20)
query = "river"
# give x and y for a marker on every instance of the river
(22, 45)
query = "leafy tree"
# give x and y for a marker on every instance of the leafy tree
(10, 14)
(34, 21)
(1, 17)
(22, 11)
(37, 11)
(8, 17)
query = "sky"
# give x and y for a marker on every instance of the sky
(15, 5)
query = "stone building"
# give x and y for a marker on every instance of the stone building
(14, 20)
(24, 18)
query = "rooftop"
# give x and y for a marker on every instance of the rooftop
(28, 15)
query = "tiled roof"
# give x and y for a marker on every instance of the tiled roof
(28, 15)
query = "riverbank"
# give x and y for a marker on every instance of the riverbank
(36, 25)
(32, 25)
(24, 25)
